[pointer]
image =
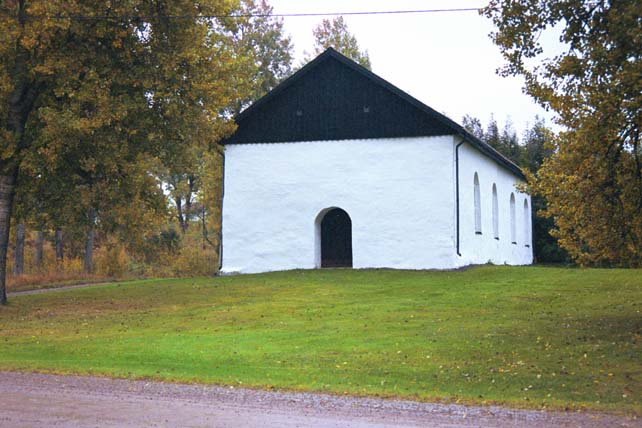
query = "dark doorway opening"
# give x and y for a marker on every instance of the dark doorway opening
(336, 239)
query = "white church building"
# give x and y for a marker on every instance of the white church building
(336, 167)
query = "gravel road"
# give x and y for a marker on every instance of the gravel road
(35, 400)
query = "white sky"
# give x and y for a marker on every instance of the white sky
(446, 60)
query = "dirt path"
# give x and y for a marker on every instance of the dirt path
(33, 400)
(57, 288)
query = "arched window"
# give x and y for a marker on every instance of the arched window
(478, 227)
(513, 238)
(527, 224)
(495, 213)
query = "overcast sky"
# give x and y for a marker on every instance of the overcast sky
(445, 60)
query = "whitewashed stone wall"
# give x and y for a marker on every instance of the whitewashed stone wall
(399, 193)
(484, 248)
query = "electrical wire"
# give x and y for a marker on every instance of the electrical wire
(313, 14)
(241, 15)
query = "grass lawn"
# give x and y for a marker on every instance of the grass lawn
(524, 336)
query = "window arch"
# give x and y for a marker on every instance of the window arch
(495, 213)
(478, 226)
(513, 238)
(527, 224)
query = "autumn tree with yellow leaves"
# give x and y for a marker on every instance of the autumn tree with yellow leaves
(93, 88)
(593, 179)
(262, 57)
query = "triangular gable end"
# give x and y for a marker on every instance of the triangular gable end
(334, 98)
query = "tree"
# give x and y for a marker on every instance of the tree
(506, 142)
(129, 67)
(261, 37)
(181, 181)
(535, 150)
(335, 34)
(593, 180)
(474, 126)
(211, 198)
(492, 137)
(509, 143)
(263, 57)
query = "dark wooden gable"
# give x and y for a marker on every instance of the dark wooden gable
(334, 98)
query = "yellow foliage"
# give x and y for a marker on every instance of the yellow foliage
(112, 261)
(595, 199)
(593, 181)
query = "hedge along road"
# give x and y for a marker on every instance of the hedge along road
(35, 400)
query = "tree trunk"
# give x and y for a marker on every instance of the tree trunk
(19, 252)
(21, 100)
(89, 241)
(7, 192)
(60, 255)
(179, 215)
(206, 236)
(40, 241)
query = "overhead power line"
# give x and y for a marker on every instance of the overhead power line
(376, 12)
(241, 15)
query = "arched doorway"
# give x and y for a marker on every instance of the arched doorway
(336, 239)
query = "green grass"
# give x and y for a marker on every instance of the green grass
(526, 337)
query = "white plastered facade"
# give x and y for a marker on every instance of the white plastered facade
(400, 195)
(484, 247)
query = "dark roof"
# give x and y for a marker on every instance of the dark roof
(334, 98)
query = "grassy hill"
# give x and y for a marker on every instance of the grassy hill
(523, 336)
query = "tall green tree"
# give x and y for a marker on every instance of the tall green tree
(535, 150)
(593, 180)
(492, 135)
(474, 126)
(156, 73)
(335, 34)
(509, 142)
(505, 142)
(262, 38)
(262, 58)
(536, 141)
